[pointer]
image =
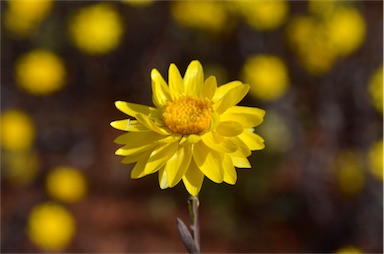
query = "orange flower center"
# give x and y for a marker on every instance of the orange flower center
(188, 115)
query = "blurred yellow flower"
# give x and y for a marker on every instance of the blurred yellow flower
(262, 14)
(66, 184)
(138, 3)
(196, 129)
(320, 40)
(309, 39)
(349, 250)
(50, 226)
(350, 173)
(375, 159)
(40, 72)
(267, 76)
(17, 130)
(205, 15)
(322, 8)
(23, 17)
(19, 167)
(346, 30)
(375, 89)
(96, 29)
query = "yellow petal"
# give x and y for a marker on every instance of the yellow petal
(194, 79)
(218, 143)
(223, 89)
(231, 96)
(127, 150)
(210, 86)
(160, 90)
(252, 140)
(134, 139)
(215, 121)
(147, 122)
(246, 116)
(193, 179)
(209, 162)
(128, 125)
(242, 149)
(241, 162)
(230, 175)
(138, 169)
(174, 137)
(159, 156)
(229, 128)
(176, 84)
(193, 138)
(132, 109)
(163, 179)
(178, 164)
(135, 157)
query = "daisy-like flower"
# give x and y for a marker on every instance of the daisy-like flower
(194, 130)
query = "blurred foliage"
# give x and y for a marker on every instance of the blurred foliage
(315, 66)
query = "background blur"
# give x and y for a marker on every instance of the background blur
(316, 67)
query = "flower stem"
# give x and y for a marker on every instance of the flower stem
(193, 204)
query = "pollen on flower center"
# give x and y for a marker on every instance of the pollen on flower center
(188, 115)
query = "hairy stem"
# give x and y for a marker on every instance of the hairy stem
(193, 204)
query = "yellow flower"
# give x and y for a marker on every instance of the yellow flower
(40, 72)
(375, 89)
(322, 8)
(346, 30)
(66, 184)
(349, 250)
(22, 17)
(138, 3)
(198, 14)
(350, 173)
(375, 159)
(335, 31)
(196, 129)
(20, 168)
(262, 14)
(310, 39)
(96, 29)
(50, 226)
(17, 130)
(267, 76)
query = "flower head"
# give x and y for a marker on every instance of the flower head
(23, 17)
(267, 76)
(349, 250)
(375, 89)
(40, 72)
(198, 15)
(17, 130)
(194, 130)
(375, 159)
(96, 29)
(349, 172)
(66, 184)
(262, 15)
(51, 226)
